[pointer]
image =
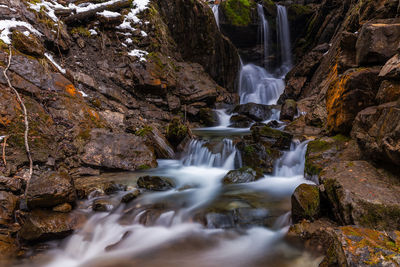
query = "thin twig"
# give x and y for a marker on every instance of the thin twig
(28, 152)
(4, 150)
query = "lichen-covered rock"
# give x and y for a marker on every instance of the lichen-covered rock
(377, 132)
(242, 175)
(305, 203)
(378, 41)
(50, 189)
(118, 151)
(41, 225)
(289, 110)
(29, 45)
(352, 92)
(154, 183)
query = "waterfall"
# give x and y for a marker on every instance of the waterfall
(292, 162)
(264, 31)
(258, 86)
(224, 119)
(284, 38)
(215, 9)
(198, 154)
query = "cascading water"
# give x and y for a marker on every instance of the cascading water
(215, 9)
(284, 39)
(264, 31)
(224, 119)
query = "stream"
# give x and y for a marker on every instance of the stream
(201, 221)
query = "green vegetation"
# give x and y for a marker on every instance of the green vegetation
(238, 12)
(144, 167)
(82, 31)
(144, 131)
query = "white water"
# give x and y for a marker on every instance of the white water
(224, 119)
(264, 31)
(284, 39)
(215, 9)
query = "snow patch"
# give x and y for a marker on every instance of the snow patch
(108, 14)
(7, 25)
(140, 5)
(128, 40)
(139, 54)
(144, 34)
(10, 8)
(86, 7)
(48, 7)
(93, 32)
(83, 93)
(50, 57)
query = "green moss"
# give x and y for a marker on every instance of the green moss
(82, 31)
(249, 150)
(238, 12)
(144, 131)
(295, 11)
(144, 167)
(341, 138)
(318, 146)
(176, 131)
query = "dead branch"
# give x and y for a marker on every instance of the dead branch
(4, 150)
(28, 152)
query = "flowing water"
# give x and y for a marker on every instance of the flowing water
(215, 9)
(201, 221)
(264, 31)
(284, 38)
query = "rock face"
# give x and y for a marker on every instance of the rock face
(8, 203)
(377, 132)
(50, 189)
(378, 41)
(118, 151)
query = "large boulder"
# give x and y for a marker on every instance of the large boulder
(350, 93)
(41, 225)
(359, 194)
(257, 112)
(278, 139)
(305, 202)
(122, 151)
(389, 91)
(242, 175)
(377, 131)
(378, 41)
(50, 189)
(289, 110)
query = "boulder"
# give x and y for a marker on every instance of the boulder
(50, 189)
(8, 203)
(208, 117)
(11, 184)
(388, 91)
(155, 139)
(242, 175)
(103, 204)
(378, 41)
(359, 194)
(278, 139)
(176, 131)
(29, 45)
(350, 93)
(129, 196)
(154, 183)
(121, 151)
(41, 225)
(305, 203)
(289, 110)
(256, 112)
(377, 132)
(240, 121)
(391, 70)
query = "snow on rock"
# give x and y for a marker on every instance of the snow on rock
(93, 32)
(83, 93)
(108, 14)
(48, 7)
(50, 57)
(139, 54)
(140, 5)
(7, 25)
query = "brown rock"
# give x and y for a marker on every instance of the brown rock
(29, 45)
(289, 110)
(391, 70)
(305, 203)
(8, 204)
(388, 91)
(118, 151)
(66, 207)
(50, 189)
(45, 225)
(378, 41)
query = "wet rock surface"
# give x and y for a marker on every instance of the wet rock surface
(154, 183)
(242, 175)
(305, 203)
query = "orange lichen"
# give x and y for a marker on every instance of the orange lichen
(71, 90)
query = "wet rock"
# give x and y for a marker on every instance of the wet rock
(8, 249)
(350, 93)
(305, 203)
(66, 207)
(176, 131)
(11, 184)
(112, 188)
(389, 91)
(117, 151)
(279, 139)
(29, 45)
(240, 121)
(377, 133)
(391, 70)
(50, 189)
(155, 139)
(208, 117)
(378, 41)
(8, 203)
(257, 112)
(129, 196)
(103, 204)
(242, 175)
(359, 194)
(298, 128)
(289, 110)
(43, 225)
(154, 183)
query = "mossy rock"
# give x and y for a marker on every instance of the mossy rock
(29, 45)
(279, 139)
(242, 175)
(176, 131)
(238, 12)
(305, 202)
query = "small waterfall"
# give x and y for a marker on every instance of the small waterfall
(198, 154)
(215, 9)
(258, 86)
(284, 38)
(292, 162)
(264, 32)
(224, 119)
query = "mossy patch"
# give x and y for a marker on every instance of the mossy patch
(144, 131)
(238, 12)
(82, 31)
